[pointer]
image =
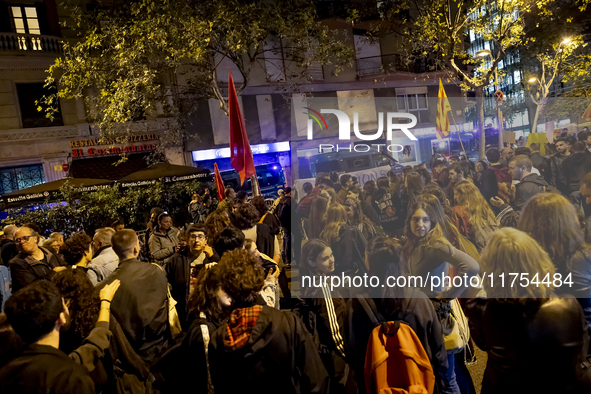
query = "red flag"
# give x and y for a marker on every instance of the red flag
(240, 153)
(219, 184)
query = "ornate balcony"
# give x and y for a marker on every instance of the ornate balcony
(30, 43)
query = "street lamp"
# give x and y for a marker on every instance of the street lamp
(484, 53)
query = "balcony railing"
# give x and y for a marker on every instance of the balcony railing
(378, 64)
(374, 65)
(30, 43)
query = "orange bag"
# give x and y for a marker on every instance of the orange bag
(396, 361)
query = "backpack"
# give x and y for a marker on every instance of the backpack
(5, 285)
(395, 361)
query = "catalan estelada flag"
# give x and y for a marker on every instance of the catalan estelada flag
(443, 107)
(587, 114)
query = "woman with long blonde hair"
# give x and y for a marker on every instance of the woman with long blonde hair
(535, 341)
(347, 242)
(473, 215)
(552, 221)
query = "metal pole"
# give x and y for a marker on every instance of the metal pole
(499, 115)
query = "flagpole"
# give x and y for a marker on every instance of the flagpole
(458, 131)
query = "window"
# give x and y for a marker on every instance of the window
(516, 76)
(381, 160)
(18, 178)
(472, 36)
(416, 104)
(28, 94)
(24, 20)
(357, 163)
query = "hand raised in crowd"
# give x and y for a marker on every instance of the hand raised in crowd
(180, 246)
(208, 250)
(274, 273)
(496, 201)
(108, 292)
(209, 265)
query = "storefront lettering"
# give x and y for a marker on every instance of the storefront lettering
(100, 141)
(92, 152)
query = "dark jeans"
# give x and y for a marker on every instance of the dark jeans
(286, 256)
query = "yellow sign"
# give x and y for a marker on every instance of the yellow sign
(539, 138)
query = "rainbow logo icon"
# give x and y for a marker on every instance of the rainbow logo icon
(317, 117)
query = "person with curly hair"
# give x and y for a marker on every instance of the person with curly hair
(245, 219)
(288, 360)
(77, 250)
(32, 311)
(215, 223)
(266, 217)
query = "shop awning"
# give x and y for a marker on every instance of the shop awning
(105, 168)
(165, 172)
(51, 190)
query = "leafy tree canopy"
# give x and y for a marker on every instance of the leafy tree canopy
(146, 58)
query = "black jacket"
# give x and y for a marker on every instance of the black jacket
(557, 175)
(9, 250)
(184, 364)
(534, 346)
(272, 221)
(575, 167)
(44, 369)
(278, 357)
(528, 187)
(489, 187)
(178, 271)
(539, 162)
(141, 306)
(24, 269)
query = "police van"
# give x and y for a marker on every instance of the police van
(270, 176)
(345, 161)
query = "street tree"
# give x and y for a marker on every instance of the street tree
(141, 59)
(549, 68)
(437, 30)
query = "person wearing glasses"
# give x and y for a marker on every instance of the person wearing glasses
(32, 262)
(184, 266)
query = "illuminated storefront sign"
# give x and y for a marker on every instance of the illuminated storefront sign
(222, 153)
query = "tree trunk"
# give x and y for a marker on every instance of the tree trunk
(480, 116)
(535, 123)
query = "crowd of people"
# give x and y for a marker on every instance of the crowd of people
(208, 306)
